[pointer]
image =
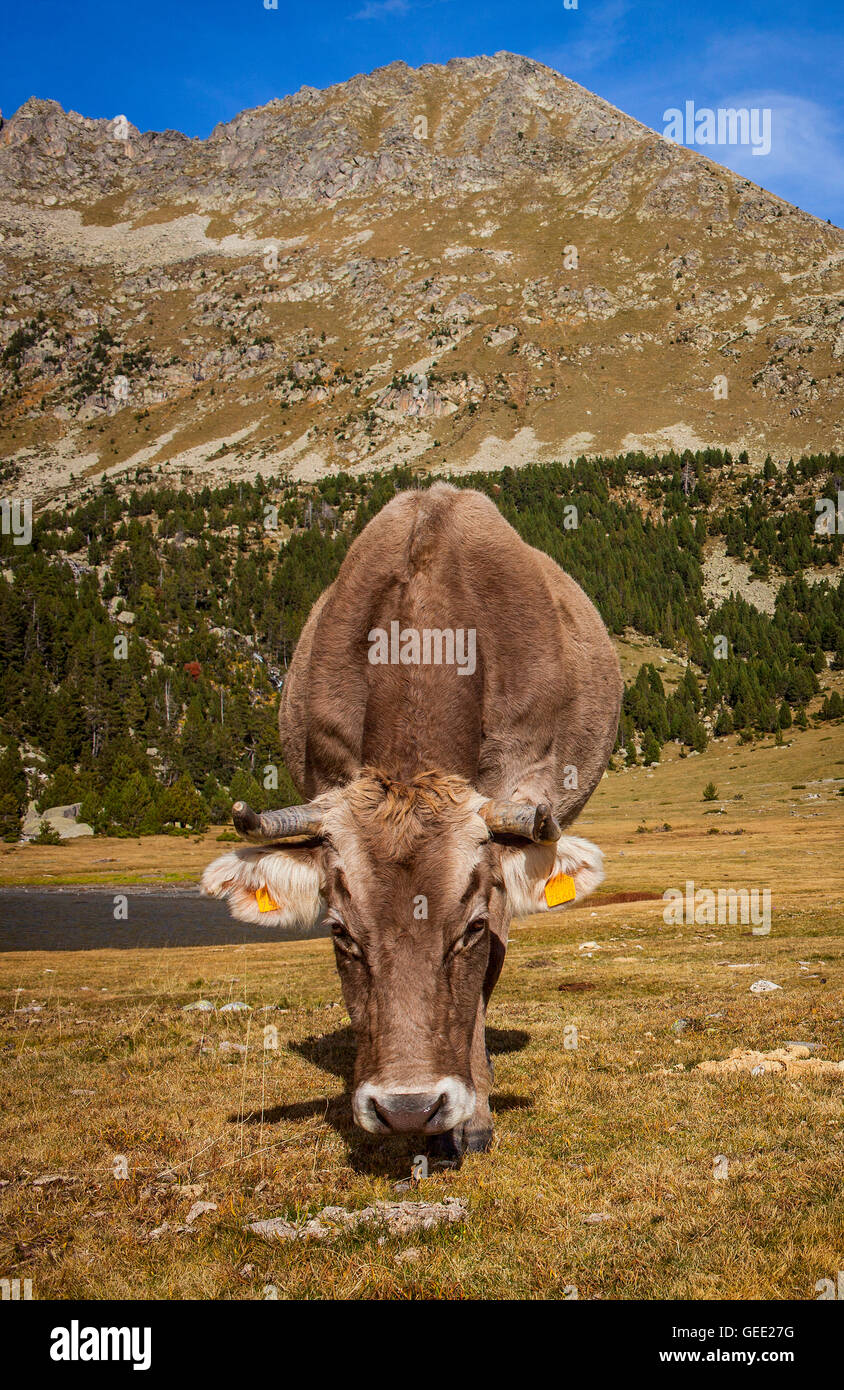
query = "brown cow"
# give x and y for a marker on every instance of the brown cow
(452, 703)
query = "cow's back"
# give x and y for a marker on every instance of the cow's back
(544, 695)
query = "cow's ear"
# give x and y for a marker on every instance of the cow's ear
(540, 878)
(269, 887)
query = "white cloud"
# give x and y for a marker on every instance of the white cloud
(805, 163)
(589, 37)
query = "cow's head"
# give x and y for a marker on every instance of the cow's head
(417, 883)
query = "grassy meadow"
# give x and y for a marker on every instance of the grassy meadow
(601, 1183)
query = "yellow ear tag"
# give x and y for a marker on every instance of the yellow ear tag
(560, 889)
(265, 902)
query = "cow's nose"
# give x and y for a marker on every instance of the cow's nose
(407, 1112)
(443, 1105)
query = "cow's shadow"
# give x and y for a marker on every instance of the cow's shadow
(335, 1053)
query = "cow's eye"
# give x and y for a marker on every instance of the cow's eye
(475, 930)
(344, 940)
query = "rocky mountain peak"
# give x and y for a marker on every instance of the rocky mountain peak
(456, 264)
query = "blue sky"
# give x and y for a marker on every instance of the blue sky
(187, 66)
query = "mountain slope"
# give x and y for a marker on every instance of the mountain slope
(479, 263)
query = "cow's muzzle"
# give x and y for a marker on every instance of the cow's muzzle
(437, 1109)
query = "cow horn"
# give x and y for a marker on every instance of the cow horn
(523, 819)
(271, 827)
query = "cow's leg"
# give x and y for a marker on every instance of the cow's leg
(446, 1148)
(477, 1131)
(475, 1135)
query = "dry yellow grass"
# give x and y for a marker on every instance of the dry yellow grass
(101, 859)
(620, 1125)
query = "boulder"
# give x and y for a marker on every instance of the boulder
(60, 818)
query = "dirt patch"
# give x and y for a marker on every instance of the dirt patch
(679, 437)
(524, 447)
(724, 575)
(131, 247)
(625, 898)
